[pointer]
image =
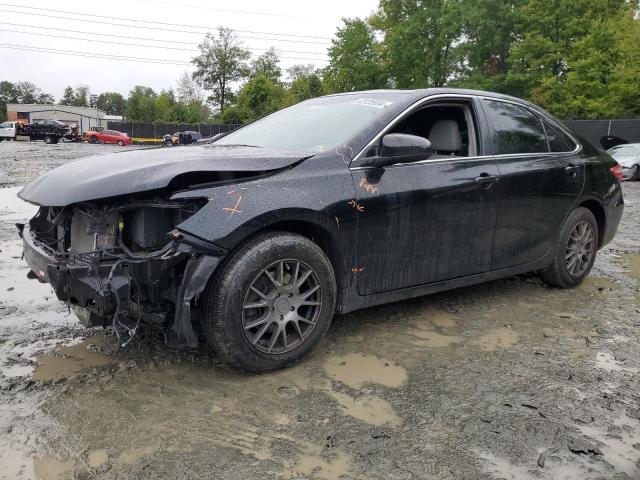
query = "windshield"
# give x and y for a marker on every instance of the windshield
(319, 124)
(624, 150)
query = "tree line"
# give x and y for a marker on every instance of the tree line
(21, 92)
(576, 58)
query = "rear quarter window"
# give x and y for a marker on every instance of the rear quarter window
(515, 129)
(558, 140)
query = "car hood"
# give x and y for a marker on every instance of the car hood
(138, 171)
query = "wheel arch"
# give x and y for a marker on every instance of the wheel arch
(317, 234)
(598, 212)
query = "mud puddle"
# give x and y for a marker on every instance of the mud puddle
(68, 360)
(633, 262)
(358, 369)
(16, 465)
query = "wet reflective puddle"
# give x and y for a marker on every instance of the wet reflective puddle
(68, 360)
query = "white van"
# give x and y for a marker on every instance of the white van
(8, 130)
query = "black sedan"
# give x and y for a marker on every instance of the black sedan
(49, 130)
(337, 203)
(43, 127)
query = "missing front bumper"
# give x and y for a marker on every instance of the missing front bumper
(156, 291)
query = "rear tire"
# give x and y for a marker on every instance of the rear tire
(575, 250)
(121, 143)
(258, 314)
(50, 139)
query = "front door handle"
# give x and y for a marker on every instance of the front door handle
(487, 180)
(572, 170)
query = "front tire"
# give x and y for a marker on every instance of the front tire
(575, 251)
(271, 302)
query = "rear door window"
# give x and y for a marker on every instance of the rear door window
(515, 129)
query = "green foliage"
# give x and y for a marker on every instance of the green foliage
(21, 92)
(221, 62)
(577, 58)
(141, 104)
(259, 96)
(165, 104)
(111, 102)
(81, 96)
(355, 59)
(304, 87)
(77, 98)
(145, 105)
(67, 96)
(267, 65)
(601, 77)
(625, 75)
(419, 42)
(234, 115)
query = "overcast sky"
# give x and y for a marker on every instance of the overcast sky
(300, 31)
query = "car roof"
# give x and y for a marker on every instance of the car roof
(419, 93)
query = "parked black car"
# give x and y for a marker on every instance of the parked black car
(48, 130)
(331, 205)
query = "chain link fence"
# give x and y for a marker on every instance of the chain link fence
(155, 130)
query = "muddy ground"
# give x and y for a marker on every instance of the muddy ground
(507, 380)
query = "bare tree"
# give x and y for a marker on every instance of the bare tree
(189, 91)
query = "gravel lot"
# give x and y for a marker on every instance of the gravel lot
(506, 380)
(22, 161)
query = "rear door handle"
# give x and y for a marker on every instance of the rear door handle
(487, 180)
(572, 170)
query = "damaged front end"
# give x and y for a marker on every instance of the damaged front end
(123, 263)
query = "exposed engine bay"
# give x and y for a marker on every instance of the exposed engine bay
(109, 234)
(122, 264)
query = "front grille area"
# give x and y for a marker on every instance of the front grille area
(92, 232)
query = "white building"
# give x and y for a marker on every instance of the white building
(85, 117)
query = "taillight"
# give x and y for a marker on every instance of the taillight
(617, 172)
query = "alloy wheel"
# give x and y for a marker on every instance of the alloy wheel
(281, 306)
(580, 249)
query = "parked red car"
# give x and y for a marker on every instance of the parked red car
(108, 136)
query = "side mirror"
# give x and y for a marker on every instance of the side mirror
(401, 148)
